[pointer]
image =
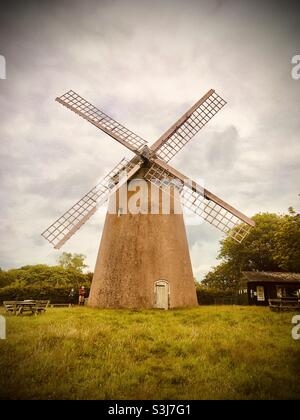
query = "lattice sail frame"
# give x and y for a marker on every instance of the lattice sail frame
(197, 201)
(194, 122)
(89, 112)
(64, 227)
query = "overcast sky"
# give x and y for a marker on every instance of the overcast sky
(144, 63)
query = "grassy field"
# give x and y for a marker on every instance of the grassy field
(210, 352)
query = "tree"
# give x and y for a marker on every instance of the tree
(272, 245)
(5, 278)
(222, 277)
(72, 261)
(287, 245)
(42, 275)
(257, 251)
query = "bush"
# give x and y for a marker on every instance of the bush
(42, 282)
(53, 293)
(5, 278)
(209, 296)
(44, 274)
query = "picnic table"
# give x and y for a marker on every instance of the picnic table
(16, 307)
(284, 304)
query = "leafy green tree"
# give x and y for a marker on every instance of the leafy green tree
(44, 275)
(41, 281)
(223, 277)
(72, 261)
(257, 251)
(272, 245)
(5, 278)
(287, 247)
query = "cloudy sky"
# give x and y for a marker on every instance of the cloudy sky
(144, 63)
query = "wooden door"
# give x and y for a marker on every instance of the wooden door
(162, 294)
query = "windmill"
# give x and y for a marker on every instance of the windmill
(143, 259)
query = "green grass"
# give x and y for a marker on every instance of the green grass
(210, 352)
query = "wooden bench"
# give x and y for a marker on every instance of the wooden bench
(41, 306)
(10, 306)
(61, 305)
(19, 307)
(284, 304)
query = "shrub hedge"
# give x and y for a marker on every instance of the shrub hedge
(56, 294)
(207, 296)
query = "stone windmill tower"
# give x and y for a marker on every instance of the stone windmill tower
(143, 259)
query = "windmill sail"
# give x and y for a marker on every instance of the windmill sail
(64, 227)
(173, 140)
(201, 201)
(101, 120)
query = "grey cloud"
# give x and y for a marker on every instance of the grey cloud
(144, 63)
